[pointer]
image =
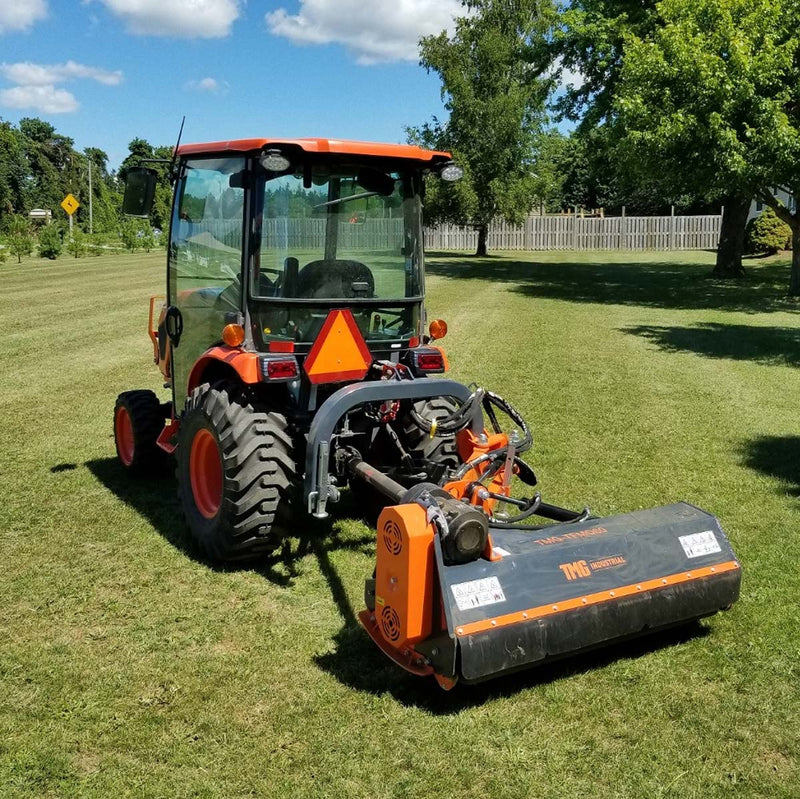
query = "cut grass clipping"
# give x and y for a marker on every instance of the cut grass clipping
(129, 667)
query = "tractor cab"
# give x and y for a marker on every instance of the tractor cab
(267, 237)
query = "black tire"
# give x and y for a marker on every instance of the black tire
(138, 421)
(424, 449)
(258, 475)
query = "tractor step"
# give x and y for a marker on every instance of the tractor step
(571, 587)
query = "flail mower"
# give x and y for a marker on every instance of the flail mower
(294, 339)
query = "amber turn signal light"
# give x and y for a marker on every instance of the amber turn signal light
(233, 335)
(437, 329)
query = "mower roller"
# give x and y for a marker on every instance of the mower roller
(294, 340)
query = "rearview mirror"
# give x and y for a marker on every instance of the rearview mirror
(374, 180)
(140, 189)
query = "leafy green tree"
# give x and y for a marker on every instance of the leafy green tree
(13, 170)
(703, 98)
(49, 245)
(76, 246)
(106, 196)
(128, 233)
(53, 163)
(19, 237)
(494, 90)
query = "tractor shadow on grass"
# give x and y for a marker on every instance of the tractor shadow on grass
(767, 345)
(155, 499)
(775, 456)
(357, 663)
(667, 284)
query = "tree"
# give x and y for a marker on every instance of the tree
(49, 242)
(77, 244)
(18, 235)
(128, 232)
(52, 163)
(700, 99)
(710, 101)
(13, 170)
(106, 197)
(494, 90)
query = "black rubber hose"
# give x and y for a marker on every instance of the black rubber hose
(531, 528)
(448, 426)
(509, 410)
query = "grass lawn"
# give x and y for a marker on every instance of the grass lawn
(129, 667)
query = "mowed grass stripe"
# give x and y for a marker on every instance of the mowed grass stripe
(130, 667)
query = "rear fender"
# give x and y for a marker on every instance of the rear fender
(229, 362)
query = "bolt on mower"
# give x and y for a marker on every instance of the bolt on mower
(294, 339)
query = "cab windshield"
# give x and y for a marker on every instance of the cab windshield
(336, 233)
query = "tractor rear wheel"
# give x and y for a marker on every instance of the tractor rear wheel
(138, 421)
(236, 474)
(436, 451)
(434, 456)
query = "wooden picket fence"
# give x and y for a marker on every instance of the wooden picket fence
(586, 233)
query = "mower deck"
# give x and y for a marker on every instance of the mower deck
(571, 587)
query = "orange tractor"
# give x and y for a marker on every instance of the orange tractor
(294, 339)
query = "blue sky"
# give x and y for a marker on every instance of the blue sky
(106, 71)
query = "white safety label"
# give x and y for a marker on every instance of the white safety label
(477, 593)
(698, 544)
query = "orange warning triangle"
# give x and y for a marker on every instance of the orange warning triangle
(339, 352)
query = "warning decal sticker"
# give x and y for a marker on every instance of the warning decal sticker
(477, 593)
(699, 544)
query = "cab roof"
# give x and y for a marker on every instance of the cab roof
(333, 146)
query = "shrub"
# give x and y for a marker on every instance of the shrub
(127, 233)
(49, 242)
(766, 233)
(77, 244)
(3, 253)
(20, 239)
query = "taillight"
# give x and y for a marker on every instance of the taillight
(282, 368)
(427, 360)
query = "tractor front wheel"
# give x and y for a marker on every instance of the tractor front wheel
(235, 473)
(138, 421)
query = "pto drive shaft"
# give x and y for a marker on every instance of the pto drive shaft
(464, 530)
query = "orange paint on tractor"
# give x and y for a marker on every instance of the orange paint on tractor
(332, 146)
(339, 352)
(404, 575)
(246, 365)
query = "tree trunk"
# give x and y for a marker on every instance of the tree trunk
(483, 233)
(731, 237)
(794, 279)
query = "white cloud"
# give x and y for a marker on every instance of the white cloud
(20, 15)
(205, 19)
(376, 31)
(210, 85)
(36, 85)
(26, 73)
(47, 99)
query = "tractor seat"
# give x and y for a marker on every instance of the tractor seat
(335, 279)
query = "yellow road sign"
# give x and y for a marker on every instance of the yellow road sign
(70, 204)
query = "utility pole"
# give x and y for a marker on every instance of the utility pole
(90, 196)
